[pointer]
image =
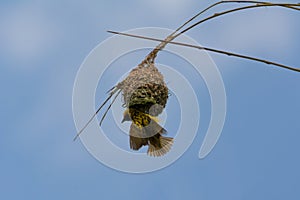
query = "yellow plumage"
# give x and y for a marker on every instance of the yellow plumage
(145, 130)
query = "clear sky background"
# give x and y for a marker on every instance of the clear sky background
(42, 45)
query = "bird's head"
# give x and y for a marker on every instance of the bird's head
(126, 116)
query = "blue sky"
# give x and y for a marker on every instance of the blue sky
(42, 45)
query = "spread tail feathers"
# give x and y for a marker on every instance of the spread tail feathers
(150, 135)
(159, 145)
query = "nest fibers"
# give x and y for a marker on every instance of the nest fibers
(145, 89)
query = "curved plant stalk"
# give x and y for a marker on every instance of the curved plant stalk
(152, 55)
(210, 49)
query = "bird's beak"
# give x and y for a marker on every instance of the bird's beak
(123, 120)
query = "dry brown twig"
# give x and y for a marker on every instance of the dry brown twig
(163, 42)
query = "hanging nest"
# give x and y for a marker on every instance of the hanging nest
(145, 89)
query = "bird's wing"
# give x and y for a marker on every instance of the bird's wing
(136, 137)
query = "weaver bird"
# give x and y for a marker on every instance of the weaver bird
(144, 131)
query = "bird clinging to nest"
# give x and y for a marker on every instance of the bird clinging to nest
(145, 95)
(145, 92)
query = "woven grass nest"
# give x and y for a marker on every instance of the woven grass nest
(145, 89)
